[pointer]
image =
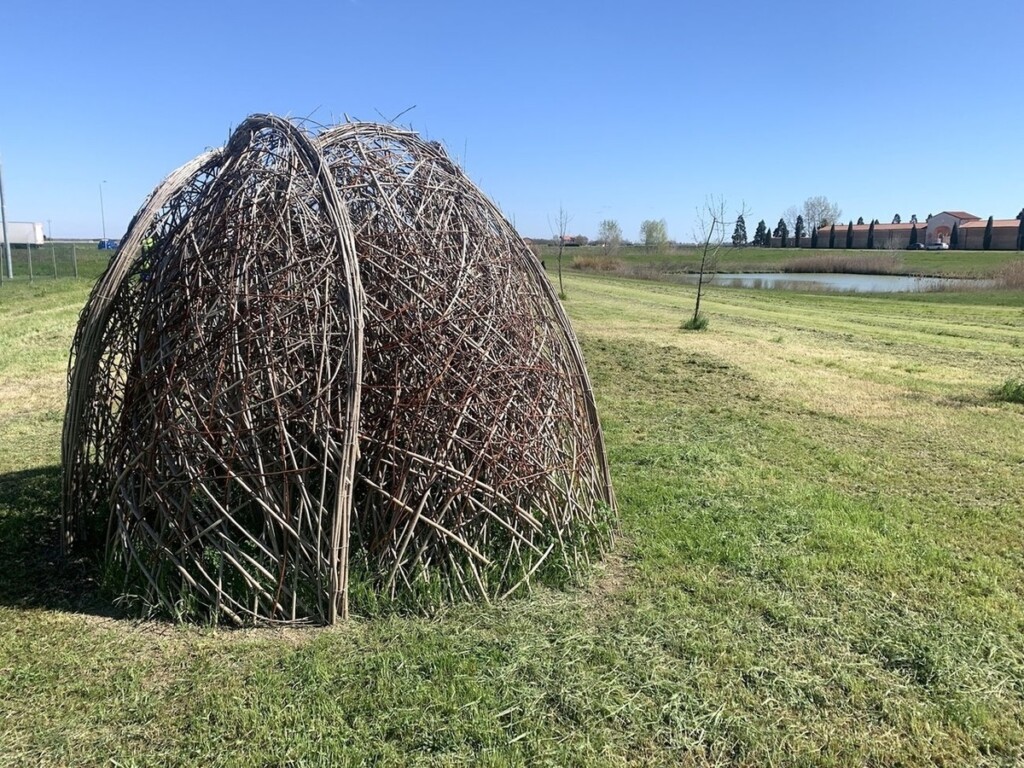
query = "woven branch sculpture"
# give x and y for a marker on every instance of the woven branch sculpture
(321, 366)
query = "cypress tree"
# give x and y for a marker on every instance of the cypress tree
(814, 237)
(1020, 231)
(832, 236)
(739, 234)
(871, 236)
(759, 234)
(782, 232)
(913, 234)
(849, 235)
(799, 230)
(986, 243)
(954, 236)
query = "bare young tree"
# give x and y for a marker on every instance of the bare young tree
(819, 212)
(790, 215)
(654, 234)
(610, 234)
(709, 234)
(560, 227)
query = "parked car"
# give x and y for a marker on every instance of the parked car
(915, 247)
(938, 246)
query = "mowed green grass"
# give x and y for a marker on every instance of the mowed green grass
(820, 563)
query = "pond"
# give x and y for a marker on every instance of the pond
(825, 281)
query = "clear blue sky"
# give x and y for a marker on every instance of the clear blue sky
(613, 110)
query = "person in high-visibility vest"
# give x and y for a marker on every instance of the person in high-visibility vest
(147, 259)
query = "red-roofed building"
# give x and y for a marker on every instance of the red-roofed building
(1004, 234)
(938, 229)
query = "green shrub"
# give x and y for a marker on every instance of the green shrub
(1012, 391)
(696, 323)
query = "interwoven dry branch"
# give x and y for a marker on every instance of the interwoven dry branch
(327, 364)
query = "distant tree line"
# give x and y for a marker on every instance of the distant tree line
(816, 213)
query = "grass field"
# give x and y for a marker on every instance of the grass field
(637, 260)
(821, 563)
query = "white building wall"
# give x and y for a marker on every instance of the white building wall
(940, 226)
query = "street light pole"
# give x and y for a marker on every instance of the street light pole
(3, 216)
(103, 215)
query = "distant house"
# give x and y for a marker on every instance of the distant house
(940, 226)
(937, 229)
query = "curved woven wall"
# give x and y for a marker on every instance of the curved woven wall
(327, 364)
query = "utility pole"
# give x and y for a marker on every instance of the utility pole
(103, 215)
(3, 216)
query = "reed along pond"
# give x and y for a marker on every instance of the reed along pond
(839, 282)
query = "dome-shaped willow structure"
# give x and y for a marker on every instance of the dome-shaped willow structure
(323, 365)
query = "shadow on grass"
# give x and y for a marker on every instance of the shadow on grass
(32, 572)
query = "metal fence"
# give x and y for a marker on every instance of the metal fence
(55, 260)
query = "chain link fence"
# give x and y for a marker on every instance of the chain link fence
(55, 260)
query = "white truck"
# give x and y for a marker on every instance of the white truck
(25, 233)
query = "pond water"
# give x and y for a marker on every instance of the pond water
(822, 281)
